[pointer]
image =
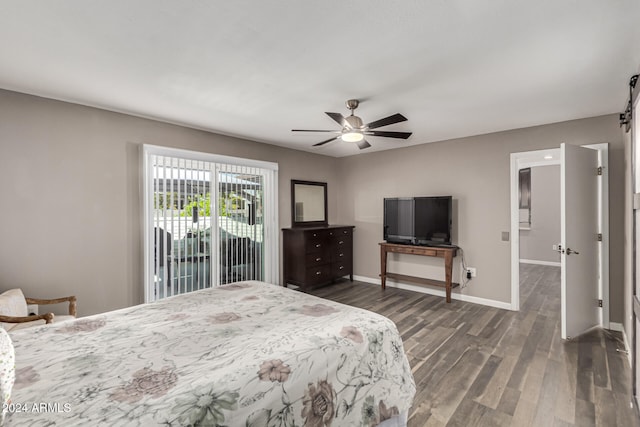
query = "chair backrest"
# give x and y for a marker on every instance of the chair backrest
(13, 304)
(236, 251)
(161, 255)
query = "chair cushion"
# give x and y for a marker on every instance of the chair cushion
(13, 303)
(57, 318)
(24, 325)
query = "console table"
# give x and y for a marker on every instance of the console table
(433, 251)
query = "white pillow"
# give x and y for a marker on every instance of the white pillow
(12, 303)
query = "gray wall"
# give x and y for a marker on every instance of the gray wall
(536, 243)
(475, 171)
(70, 212)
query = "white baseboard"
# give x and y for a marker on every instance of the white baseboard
(460, 297)
(614, 326)
(535, 261)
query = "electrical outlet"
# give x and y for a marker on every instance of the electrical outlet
(472, 271)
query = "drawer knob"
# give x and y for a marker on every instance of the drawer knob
(315, 235)
(318, 259)
(318, 273)
(341, 255)
(318, 245)
(340, 242)
(341, 267)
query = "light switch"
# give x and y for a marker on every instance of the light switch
(505, 236)
(636, 201)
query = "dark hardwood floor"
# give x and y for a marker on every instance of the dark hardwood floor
(481, 366)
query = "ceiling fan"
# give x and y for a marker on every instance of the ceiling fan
(354, 129)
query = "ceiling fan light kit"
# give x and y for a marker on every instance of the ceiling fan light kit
(352, 136)
(354, 129)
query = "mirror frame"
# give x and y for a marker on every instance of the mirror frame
(295, 223)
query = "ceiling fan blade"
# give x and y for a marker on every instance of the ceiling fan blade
(363, 144)
(339, 118)
(396, 118)
(324, 142)
(314, 130)
(389, 134)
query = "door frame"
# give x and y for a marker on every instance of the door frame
(635, 246)
(536, 158)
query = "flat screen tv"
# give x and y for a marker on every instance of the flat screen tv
(418, 220)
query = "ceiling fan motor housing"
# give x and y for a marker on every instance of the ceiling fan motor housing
(355, 122)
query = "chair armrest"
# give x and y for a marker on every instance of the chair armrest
(48, 317)
(71, 299)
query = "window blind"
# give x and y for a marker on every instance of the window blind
(207, 222)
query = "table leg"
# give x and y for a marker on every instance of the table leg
(448, 267)
(383, 266)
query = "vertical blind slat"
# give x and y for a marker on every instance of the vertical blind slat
(189, 241)
(165, 249)
(179, 252)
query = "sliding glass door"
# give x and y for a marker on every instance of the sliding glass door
(209, 220)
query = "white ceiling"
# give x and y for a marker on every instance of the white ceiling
(257, 69)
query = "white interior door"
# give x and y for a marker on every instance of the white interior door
(579, 229)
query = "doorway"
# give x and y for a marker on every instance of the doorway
(208, 220)
(540, 214)
(540, 235)
(552, 157)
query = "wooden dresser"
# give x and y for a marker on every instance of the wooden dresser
(316, 256)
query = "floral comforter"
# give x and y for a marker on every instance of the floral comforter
(245, 354)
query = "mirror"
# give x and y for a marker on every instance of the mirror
(308, 203)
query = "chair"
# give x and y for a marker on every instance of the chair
(162, 258)
(14, 313)
(7, 371)
(161, 255)
(237, 258)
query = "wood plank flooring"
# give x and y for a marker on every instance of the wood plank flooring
(481, 366)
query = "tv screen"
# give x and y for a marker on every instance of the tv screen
(418, 220)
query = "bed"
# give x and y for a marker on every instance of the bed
(245, 354)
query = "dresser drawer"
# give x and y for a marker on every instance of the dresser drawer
(342, 242)
(316, 241)
(414, 250)
(316, 246)
(342, 268)
(318, 274)
(317, 258)
(341, 255)
(316, 234)
(342, 232)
